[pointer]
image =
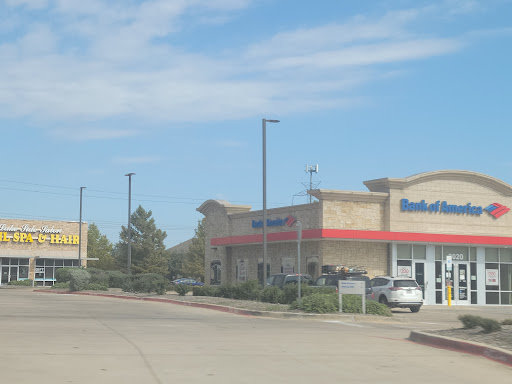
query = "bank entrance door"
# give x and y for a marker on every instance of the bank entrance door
(460, 280)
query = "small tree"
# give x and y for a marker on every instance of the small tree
(194, 262)
(98, 246)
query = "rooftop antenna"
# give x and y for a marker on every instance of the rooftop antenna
(311, 169)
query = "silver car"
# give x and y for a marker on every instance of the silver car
(396, 292)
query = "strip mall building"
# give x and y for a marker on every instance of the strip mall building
(419, 226)
(33, 249)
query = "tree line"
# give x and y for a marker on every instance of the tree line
(148, 252)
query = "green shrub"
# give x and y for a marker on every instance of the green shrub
(63, 274)
(117, 279)
(273, 295)
(488, 325)
(291, 292)
(64, 285)
(250, 290)
(470, 321)
(318, 302)
(506, 322)
(79, 279)
(205, 290)
(98, 276)
(181, 289)
(24, 283)
(227, 291)
(146, 283)
(375, 308)
(97, 287)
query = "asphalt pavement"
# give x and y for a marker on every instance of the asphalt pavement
(48, 338)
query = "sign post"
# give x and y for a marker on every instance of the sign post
(449, 268)
(352, 287)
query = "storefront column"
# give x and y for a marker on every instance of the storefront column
(430, 275)
(393, 266)
(480, 275)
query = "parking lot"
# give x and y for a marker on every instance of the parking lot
(50, 338)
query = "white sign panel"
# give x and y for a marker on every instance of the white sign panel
(404, 271)
(352, 287)
(242, 276)
(39, 269)
(449, 263)
(491, 277)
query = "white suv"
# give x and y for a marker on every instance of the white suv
(397, 292)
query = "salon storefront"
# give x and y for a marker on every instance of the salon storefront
(441, 227)
(33, 249)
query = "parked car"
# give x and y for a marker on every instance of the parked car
(281, 279)
(187, 281)
(396, 292)
(331, 281)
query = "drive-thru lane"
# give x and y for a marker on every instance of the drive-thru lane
(84, 339)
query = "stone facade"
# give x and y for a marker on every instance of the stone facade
(359, 228)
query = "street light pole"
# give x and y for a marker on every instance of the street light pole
(129, 222)
(80, 231)
(264, 128)
(299, 239)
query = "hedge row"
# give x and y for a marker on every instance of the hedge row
(98, 279)
(315, 300)
(488, 325)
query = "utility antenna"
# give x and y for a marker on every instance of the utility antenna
(311, 169)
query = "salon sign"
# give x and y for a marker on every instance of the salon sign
(31, 234)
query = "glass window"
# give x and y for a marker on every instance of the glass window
(457, 253)
(472, 254)
(40, 262)
(5, 261)
(68, 263)
(492, 283)
(473, 277)
(59, 263)
(419, 252)
(48, 273)
(49, 262)
(405, 283)
(439, 252)
(506, 255)
(23, 272)
(491, 255)
(24, 262)
(506, 277)
(14, 261)
(506, 298)
(404, 251)
(492, 298)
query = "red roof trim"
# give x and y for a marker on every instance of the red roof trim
(349, 234)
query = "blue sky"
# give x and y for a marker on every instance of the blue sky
(175, 90)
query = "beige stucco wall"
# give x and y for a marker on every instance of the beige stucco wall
(353, 215)
(457, 192)
(372, 256)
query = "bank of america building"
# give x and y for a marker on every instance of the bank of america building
(436, 227)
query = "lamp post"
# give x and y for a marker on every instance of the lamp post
(264, 128)
(80, 231)
(299, 239)
(129, 222)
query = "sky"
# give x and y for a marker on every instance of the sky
(175, 91)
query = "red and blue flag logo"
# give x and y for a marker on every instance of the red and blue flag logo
(290, 220)
(497, 210)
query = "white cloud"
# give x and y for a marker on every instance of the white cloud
(100, 59)
(136, 160)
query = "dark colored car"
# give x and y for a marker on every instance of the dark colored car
(282, 279)
(331, 281)
(187, 281)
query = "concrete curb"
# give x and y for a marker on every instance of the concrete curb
(238, 311)
(493, 353)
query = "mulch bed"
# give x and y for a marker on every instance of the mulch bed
(500, 339)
